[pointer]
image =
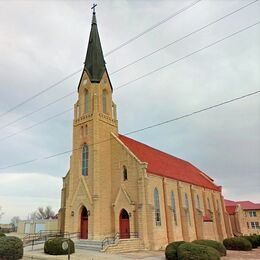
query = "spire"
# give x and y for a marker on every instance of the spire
(94, 62)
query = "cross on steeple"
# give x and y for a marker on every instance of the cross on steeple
(93, 7)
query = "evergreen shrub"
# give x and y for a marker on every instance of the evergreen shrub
(2, 234)
(212, 243)
(171, 250)
(53, 246)
(253, 240)
(194, 251)
(237, 243)
(11, 248)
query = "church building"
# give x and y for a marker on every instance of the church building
(120, 188)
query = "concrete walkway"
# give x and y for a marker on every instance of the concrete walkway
(38, 254)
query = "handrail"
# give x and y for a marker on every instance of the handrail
(112, 240)
(42, 236)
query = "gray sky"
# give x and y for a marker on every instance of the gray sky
(43, 41)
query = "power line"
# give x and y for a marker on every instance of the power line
(175, 61)
(188, 55)
(184, 37)
(141, 129)
(153, 27)
(36, 124)
(110, 52)
(37, 110)
(143, 76)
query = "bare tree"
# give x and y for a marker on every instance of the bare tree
(14, 222)
(42, 213)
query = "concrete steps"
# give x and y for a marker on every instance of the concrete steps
(125, 245)
(86, 244)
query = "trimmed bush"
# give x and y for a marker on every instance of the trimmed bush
(53, 246)
(253, 240)
(237, 243)
(194, 251)
(171, 250)
(212, 243)
(257, 239)
(2, 234)
(11, 248)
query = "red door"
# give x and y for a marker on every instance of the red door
(84, 224)
(124, 224)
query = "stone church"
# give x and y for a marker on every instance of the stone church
(119, 187)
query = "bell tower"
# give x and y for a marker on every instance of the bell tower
(87, 186)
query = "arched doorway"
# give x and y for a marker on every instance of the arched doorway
(124, 224)
(84, 223)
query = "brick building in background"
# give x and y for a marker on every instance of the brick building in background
(244, 217)
(119, 187)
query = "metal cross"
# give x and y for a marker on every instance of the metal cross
(93, 7)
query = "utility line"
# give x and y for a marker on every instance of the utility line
(107, 54)
(186, 56)
(153, 27)
(130, 64)
(141, 129)
(143, 76)
(38, 123)
(39, 109)
(182, 38)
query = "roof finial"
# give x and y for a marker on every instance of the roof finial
(93, 7)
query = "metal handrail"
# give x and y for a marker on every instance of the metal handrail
(112, 240)
(42, 236)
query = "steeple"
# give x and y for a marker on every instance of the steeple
(94, 62)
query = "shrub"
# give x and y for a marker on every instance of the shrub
(253, 240)
(257, 239)
(53, 246)
(2, 234)
(195, 251)
(171, 250)
(11, 248)
(212, 243)
(237, 243)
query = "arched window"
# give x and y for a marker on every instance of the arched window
(86, 101)
(124, 173)
(209, 206)
(173, 208)
(198, 202)
(186, 208)
(104, 101)
(77, 111)
(157, 207)
(85, 160)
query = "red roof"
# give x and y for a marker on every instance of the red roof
(246, 205)
(166, 165)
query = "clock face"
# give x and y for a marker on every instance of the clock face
(105, 81)
(85, 81)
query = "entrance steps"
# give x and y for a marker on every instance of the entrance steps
(87, 244)
(125, 245)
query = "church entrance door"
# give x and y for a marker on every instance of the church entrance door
(84, 224)
(124, 224)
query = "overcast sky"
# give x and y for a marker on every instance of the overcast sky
(42, 42)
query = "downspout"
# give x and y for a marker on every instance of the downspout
(165, 210)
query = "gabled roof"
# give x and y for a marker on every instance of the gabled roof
(245, 205)
(166, 165)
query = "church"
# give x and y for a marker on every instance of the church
(120, 188)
